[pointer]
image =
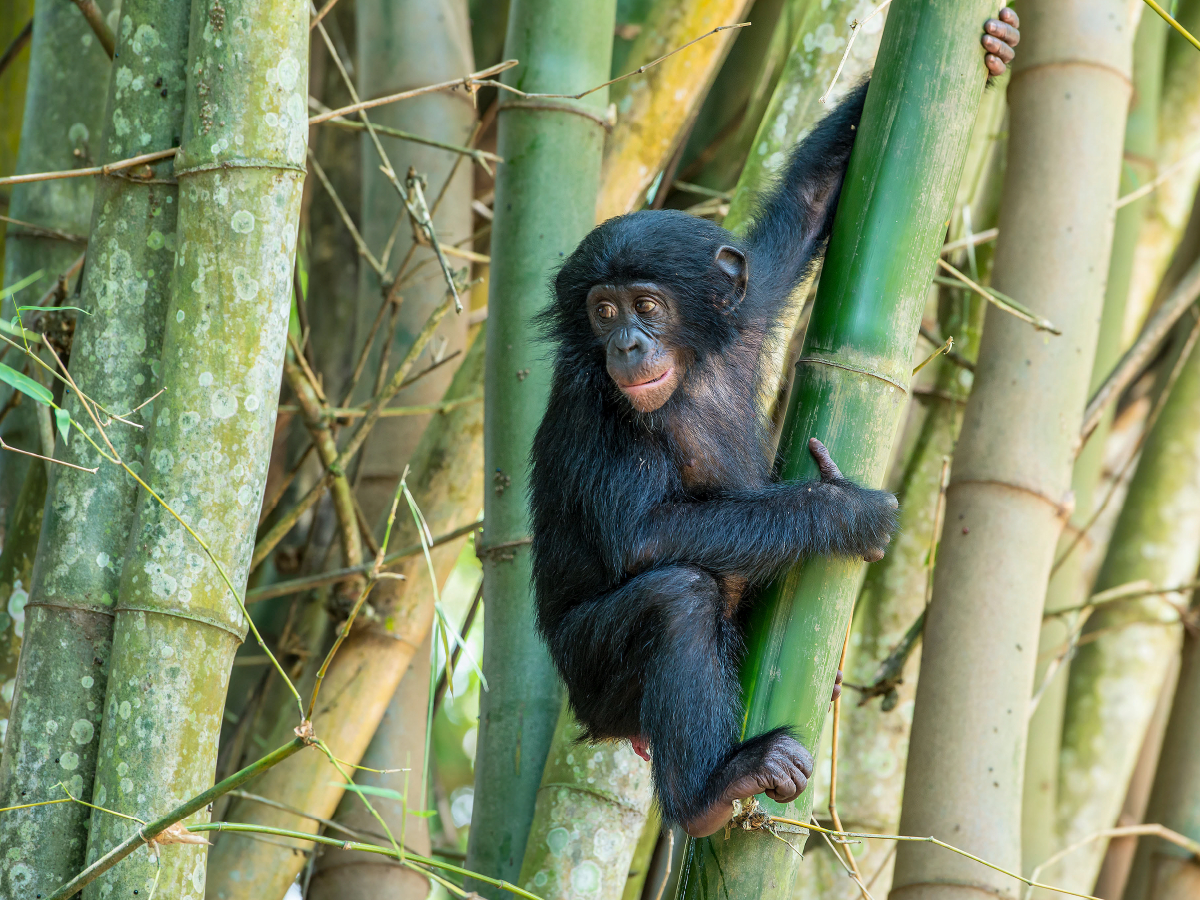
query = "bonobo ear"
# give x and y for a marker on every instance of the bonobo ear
(732, 262)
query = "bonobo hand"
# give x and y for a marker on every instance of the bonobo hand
(1000, 35)
(837, 686)
(874, 511)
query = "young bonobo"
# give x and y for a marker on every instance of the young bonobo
(655, 516)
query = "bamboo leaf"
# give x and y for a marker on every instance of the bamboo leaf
(26, 385)
(62, 419)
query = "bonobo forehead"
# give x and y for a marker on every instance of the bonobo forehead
(664, 246)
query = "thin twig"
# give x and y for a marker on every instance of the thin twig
(49, 459)
(1156, 830)
(108, 169)
(322, 14)
(971, 240)
(1164, 175)
(1135, 358)
(17, 45)
(1174, 24)
(307, 582)
(1004, 302)
(41, 231)
(482, 157)
(444, 682)
(865, 835)
(470, 82)
(153, 829)
(944, 348)
(95, 18)
(363, 250)
(833, 755)
(854, 28)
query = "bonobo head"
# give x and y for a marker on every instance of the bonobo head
(645, 297)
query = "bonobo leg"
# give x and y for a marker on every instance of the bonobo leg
(657, 659)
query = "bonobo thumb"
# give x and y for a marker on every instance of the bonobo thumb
(829, 470)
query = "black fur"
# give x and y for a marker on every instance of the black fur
(640, 571)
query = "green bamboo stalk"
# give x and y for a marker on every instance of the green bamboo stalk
(591, 808)
(1012, 467)
(1069, 584)
(402, 45)
(1157, 536)
(874, 736)
(447, 480)
(16, 567)
(851, 383)
(60, 132)
(241, 171)
(643, 856)
(545, 203)
(1170, 204)
(1160, 869)
(59, 695)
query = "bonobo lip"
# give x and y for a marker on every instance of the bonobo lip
(647, 385)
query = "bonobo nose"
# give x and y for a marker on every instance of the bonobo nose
(628, 341)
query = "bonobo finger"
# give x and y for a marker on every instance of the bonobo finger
(995, 65)
(802, 758)
(873, 555)
(997, 47)
(837, 685)
(1009, 15)
(825, 464)
(1002, 32)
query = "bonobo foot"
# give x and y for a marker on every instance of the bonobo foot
(831, 474)
(774, 763)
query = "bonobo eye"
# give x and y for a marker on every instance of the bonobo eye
(645, 305)
(606, 311)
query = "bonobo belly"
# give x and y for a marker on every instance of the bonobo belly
(733, 590)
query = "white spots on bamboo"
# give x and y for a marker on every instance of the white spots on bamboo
(8, 689)
(16, 608)
(607, 844)
(162, 585)
(145, 39)
(244, 285)
(205, 379)
(224, 404)
(586, 878)
(242, 221)
(103, 560)
(557, 840)
(51, 726)
(125, 709)
(87, 681)
(82, 731)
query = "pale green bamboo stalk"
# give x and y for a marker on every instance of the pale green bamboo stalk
(1069, 584)
(1011, 471)
(591, 808)
(1157, 537)
(59, 693)
(241, 170)
(1178, 143)
(1160, 869)
(16, 569)
(545, 203)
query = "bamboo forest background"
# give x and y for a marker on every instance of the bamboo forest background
(269, 384)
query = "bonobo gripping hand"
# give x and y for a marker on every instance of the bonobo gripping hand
(873, 512)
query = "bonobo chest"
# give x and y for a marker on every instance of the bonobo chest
(709, 460)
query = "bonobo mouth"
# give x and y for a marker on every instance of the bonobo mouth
(643, 386)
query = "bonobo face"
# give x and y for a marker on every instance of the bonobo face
(633, 321)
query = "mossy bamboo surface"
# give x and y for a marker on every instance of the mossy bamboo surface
(545, 203)
(1012, 466)
(591, 808)
(16, 567)
(64, 114)
(446, 479)
(851, 385)
(1169, 205)
(402, 45)
(114, 359)
(1069, 584)
(654, 108)
(795, 107)
(1162, 870)
(873, 744)
(241, 171)
(1116, 675)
